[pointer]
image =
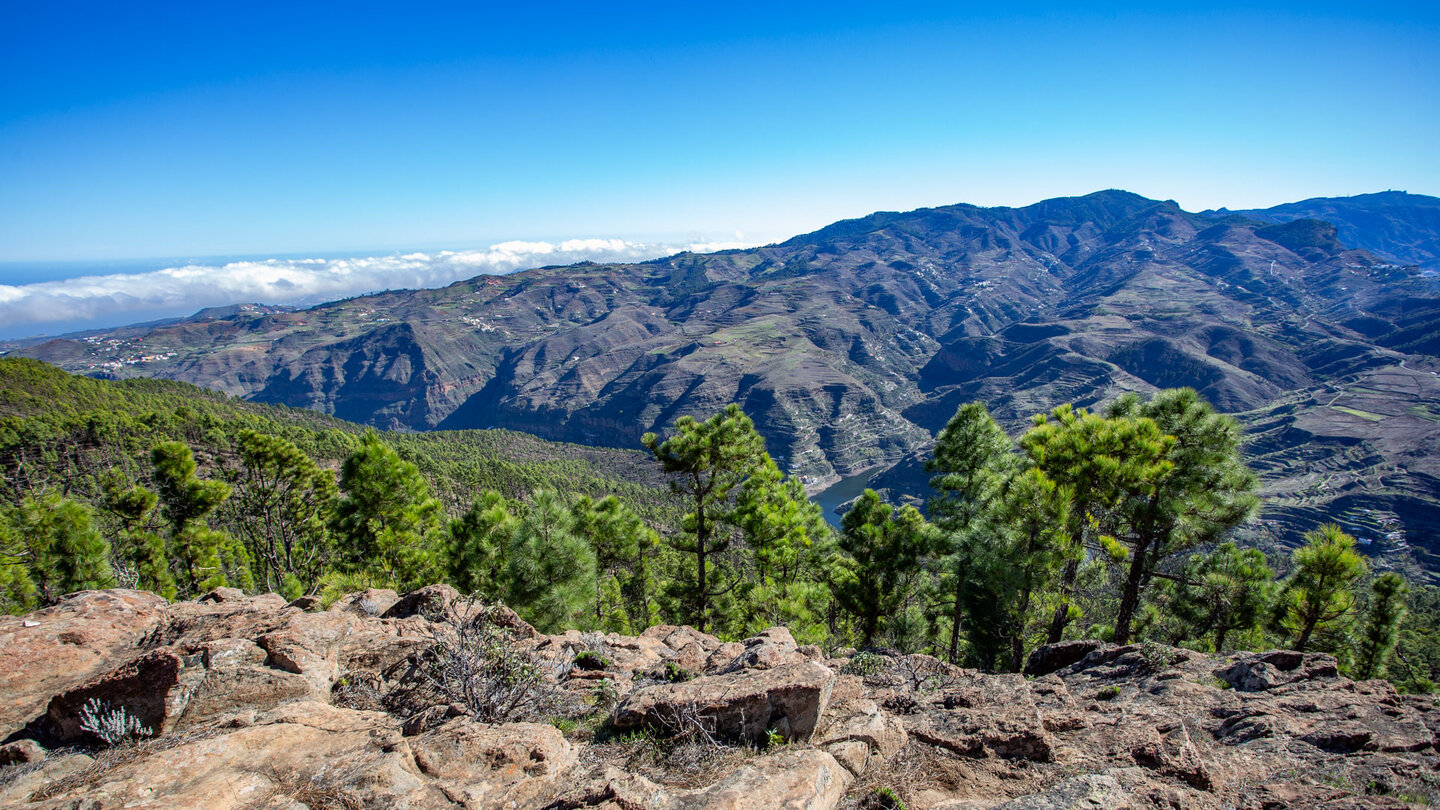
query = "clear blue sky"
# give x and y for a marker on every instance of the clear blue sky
(200, 128)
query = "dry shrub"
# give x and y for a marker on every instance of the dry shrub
(110, 759)
(475, 661)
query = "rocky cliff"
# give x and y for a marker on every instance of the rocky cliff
(236, 701)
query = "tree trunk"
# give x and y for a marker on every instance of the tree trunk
(1305, 632)
(1062, 612)
(1017, 636)
(1130, 597)
(955, 619)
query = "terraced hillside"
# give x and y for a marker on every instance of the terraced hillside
(851, 345)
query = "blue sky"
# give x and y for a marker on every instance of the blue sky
(197, 129)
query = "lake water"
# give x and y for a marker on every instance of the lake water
(841, 491)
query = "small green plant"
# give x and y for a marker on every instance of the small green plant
(591, 660)
(565, 724)
(674, 673)
(882, 798)
(863, 663)
(1108, 693)
(773, 738)
(606, 696)
(1221, 684)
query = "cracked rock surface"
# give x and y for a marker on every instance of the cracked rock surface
(256, 703)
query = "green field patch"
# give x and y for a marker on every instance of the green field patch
(1366, 415)
(1423, 412)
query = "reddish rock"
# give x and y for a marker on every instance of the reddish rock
(429, 601)
(154, 689)
(56, 649)
(367, 603)
(239, 688)
(743, 705)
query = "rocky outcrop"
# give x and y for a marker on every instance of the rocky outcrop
(250, 701)
(748, 705)
(58, 648)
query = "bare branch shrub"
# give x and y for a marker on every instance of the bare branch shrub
(477, 663)
(687, 726)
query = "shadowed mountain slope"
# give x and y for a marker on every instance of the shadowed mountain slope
(852, 344)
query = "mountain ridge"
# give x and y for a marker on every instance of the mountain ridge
(852, 344)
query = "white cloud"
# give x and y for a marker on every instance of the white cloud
(128, 298)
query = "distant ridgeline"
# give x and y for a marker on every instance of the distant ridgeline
(852, 346)
(1113, 524)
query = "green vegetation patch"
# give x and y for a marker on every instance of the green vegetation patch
(1366, 415)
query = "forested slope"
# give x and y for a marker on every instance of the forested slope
(852, 345)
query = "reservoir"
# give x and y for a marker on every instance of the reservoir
(841, 491)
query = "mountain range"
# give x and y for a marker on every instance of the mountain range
(1316, 323)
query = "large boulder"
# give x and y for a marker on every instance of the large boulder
(864, 732)
(368, 603)
(994, 715)
(56, 649)
(514, 765)
(1050, 658)
(770, 649)
(153, 689)
(309, 645)
(1257, 672)
(798, 779)
(788, 700)
(429, 601)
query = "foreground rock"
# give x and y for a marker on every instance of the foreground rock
(54, 649)
(254, 702)
(748, 706)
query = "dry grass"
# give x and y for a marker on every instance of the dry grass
(685, 755)
(110, 759)
(322, 790)
(12, 772)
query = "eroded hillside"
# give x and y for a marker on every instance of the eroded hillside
(851, 345)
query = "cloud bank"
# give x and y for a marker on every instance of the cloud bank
(108, 300)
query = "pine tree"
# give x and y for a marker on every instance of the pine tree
(281, 509)
(1191, 486)
(137, 548)
(551, 570)
(1098, 461)
(881, 556)
(1319, 594)
(60, 546)
(1382, 626)
(1024, 566)
(788, 541)
(973, 459)
(18, 593)
(708, 462)
(623, 547)
(387, 523)
(479, 540)
(204, 558)
(1226, 590)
